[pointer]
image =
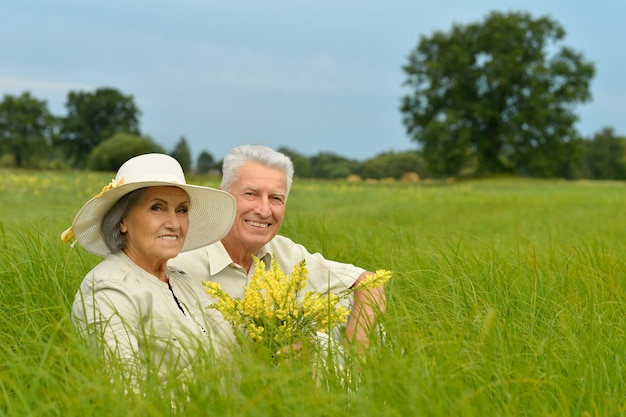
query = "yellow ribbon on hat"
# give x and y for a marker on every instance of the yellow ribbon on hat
(68, 235)
(109, 187)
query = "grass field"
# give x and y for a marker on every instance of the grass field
(508, 299)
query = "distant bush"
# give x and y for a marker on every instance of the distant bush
(113, 152)
(393, 165)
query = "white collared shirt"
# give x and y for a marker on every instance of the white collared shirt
(212, 263)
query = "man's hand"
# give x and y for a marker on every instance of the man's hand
(368, 303)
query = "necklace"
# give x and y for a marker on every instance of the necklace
(174, 295)
(180, 306)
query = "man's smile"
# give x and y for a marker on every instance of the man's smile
(257, 224)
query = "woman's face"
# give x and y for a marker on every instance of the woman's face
(156, 226)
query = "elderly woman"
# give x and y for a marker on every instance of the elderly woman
(132, 306)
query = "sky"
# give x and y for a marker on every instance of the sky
(312, 76)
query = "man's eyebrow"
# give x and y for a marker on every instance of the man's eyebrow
(250, 187)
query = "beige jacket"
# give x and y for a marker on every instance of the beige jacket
(130, 315)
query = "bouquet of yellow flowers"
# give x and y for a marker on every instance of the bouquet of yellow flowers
(270, 312)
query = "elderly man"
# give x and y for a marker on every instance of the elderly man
(260, 178)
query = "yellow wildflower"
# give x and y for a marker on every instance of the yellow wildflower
(380, 277)
(270, 312)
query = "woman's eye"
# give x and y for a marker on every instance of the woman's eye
(156, 207)
(182, 210)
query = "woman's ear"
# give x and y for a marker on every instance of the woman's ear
(123, 228)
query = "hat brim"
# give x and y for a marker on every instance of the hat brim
(211, 215)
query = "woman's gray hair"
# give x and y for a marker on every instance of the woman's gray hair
(240, 155)
(110, 227)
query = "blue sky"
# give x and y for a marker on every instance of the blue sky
(315, 76)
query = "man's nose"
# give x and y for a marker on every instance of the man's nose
(263, 207)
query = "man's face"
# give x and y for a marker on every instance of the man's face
(261, 194)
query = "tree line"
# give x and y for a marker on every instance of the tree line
(487, 98)
(101, 131)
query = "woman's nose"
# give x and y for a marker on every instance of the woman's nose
(172, 220)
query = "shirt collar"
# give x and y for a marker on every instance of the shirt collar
(219, 259)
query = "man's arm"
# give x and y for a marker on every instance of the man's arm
(368, 303)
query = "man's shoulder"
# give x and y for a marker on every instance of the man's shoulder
(281, 244)
(200, 254)
(281, 240)
(203, 262)
(286, 250)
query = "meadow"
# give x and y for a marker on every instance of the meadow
(508, 299)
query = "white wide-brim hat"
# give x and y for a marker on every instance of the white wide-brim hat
(211, 211)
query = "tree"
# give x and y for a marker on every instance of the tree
(392, 164)
(110, 154)
(605, 156)
(182, 154)
(93, 117)
(26, 127)
(330, 166)
(301, 164)
(489, 92)
(205, 162)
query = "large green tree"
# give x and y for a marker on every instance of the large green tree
(26, 127)
(95, 116)
(498, 94)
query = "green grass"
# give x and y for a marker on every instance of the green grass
(507, 300)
